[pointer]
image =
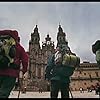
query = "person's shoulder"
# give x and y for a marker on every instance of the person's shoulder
(20, 46)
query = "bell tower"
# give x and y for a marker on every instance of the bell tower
(48, 46)
(35, 38)
(34, 50)
(61, 37)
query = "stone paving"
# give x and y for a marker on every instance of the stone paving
(75, 94)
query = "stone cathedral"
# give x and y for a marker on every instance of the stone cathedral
(87, 75)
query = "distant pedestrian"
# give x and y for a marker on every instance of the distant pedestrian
(98, 90)
(40, 90)
(81, 90)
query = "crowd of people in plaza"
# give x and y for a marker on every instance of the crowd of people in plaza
(95, 88)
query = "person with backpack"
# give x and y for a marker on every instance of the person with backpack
(96, 51)
(58, 73)
(12, 54)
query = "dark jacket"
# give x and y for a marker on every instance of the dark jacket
(21, 57)
(60, 72)
(96, 46)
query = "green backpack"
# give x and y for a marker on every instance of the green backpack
(7, 51)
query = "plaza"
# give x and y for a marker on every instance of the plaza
(75, 94)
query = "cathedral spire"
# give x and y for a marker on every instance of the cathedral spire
(60, 28)
(48, 38)
(61, 36)
(35, 37)
(59, 23)
(36, 29)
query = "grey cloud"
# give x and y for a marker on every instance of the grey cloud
(80, 22)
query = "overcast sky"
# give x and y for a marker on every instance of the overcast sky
(79, 20)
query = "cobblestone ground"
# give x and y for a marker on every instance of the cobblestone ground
(75, 94)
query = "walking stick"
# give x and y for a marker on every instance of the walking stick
(19, 84)
(19, 88)
(70, 92)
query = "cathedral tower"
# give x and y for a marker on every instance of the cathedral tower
(34, 51)
(48, 46)
(35, 39)
(61, 37)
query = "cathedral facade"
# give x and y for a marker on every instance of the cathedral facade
(87, 75)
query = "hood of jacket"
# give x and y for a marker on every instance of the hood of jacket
(12, 33)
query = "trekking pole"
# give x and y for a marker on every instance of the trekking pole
(70, 92)
(19, 81)
(19, 89)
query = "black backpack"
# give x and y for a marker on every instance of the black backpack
(7, 51)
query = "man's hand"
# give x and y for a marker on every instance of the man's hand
(47, 77)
